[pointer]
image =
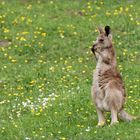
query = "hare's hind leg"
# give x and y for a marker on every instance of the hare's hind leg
(115, 100)
(101, 118)
(114, 116)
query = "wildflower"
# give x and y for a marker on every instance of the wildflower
(13, 61)
(126, 9)
(61, 35)
(15, 125)
(62, 138)
(29, 7)
(131, 91)
(129, 97)
(40, 61)
(25, 32)
(80, 60)
(51, 2)
(131, 19)
(89, 7)
(6, 30)
(27, 138)
(124, 53)
(98, 8)
(108, 13)
(5, 67)
(101, 3)
(3, 3)
(33, 110)
(43, 34)
(121, 9)
(22, 39)
(83, 11)
(88, 129)
(26, 61)
(33, 82)
(75, 33)
(22, 18)
(69, 113)
(2, 21)
(29, 21)
(52, 69)
(138, 23)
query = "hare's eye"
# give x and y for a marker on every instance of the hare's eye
(101, 40)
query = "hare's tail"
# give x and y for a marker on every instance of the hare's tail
(123, 115)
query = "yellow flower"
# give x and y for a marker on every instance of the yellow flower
(83, 11)
(121, 9)
(15, 125)
(89, 7)
(40, 61)
(29, 21)
(63, 138)
(124, 53)
(43, 34)
(69, 113)
(51, 2)
(9, 57)
(37, 114)
(24, 33)
(101, 3)
(2, 21)
(131, 19)
(29, 7)
(33, 82)
(98, 8)
(3, 3)
(107, 13)
(52, 69)
(78, 125)
(6, 30)
(126, 9)
(26, 61)
(75, 33)
(33, 110)
(22, 39)
(22, 18)
(138, 23)
(41, 110)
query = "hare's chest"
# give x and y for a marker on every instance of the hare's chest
(99, 93)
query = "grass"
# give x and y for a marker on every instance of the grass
(46, 71)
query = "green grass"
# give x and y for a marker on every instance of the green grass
(46, 72)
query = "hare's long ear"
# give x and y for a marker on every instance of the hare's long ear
(108, 32)
(100, 29)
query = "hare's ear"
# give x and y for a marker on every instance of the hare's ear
(100, 29)
(107, 30)
(110, 36)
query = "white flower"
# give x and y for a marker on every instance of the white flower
(26, 138)
(24, 104)
(88, 129)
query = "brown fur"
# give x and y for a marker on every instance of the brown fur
(108, 89)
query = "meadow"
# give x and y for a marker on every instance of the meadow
(46, 68)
